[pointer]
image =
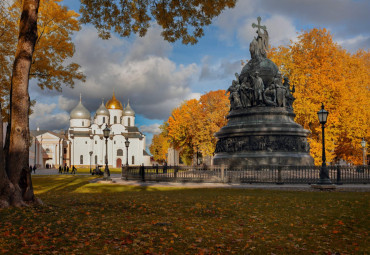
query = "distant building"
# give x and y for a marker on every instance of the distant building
(49, 149)
(86, 136)
(84, 144)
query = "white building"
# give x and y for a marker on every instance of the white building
(87, 142)
(48, 149)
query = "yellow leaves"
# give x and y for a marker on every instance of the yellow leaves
(323, 72)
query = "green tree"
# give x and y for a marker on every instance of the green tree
(179, 19)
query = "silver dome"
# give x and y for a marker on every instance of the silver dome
(80, 112)
(128, 110)
(102, 110)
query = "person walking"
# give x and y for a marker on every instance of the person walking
(73, 170)
(31, 169)
(60, 169)
(34, 169)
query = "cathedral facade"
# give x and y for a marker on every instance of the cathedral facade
(87, 142)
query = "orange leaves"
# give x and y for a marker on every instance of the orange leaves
(191, 126)
(324, 72)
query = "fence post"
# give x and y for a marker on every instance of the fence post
(339, 181)
(280, 181)
(126, 172)
(223, 173)
(176, 168)
(142, 172)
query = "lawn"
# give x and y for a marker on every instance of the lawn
(87, 218)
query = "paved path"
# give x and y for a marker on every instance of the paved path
(116, 179)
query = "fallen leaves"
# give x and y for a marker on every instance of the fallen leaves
(212, 221)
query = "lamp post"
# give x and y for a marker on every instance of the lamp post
(363, 144)
(127, 144)
(90, 159)
(324, 173)
(106, 132)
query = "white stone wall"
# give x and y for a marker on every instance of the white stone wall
(115, 113)
(101, 119)
(79, 123)
(125, 121)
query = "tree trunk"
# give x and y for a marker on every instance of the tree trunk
(15, 179)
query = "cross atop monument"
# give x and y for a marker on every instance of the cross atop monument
(259, 25)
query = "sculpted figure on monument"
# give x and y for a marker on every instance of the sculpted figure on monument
(281, 91)
(289, 98)
(234, 97)
(258, 88)
(260, 44)
(269, 95)
(246, 93)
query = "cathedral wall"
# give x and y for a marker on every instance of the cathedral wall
(79, 123)
(115, 116)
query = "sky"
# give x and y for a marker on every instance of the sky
(157, 76)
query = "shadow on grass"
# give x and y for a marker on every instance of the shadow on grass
(83, 184)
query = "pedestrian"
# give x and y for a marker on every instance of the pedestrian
(67, 169)
(73, 170)
(34, 169)
(31, 169)
(60, 169)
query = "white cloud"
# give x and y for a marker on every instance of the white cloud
(151, 129)
(281, 30)
(139, 70)
(44, 117)
(66, 104)
(354, 43)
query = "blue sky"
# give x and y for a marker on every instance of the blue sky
(157, 76)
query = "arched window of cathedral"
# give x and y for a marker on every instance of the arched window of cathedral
(96, 159)
(83, 123)
(94, 132)
(119, 152)
(133, 160)
(81, 160)
(129, 122)
(103, 119)
(115, 119)
(95, 142)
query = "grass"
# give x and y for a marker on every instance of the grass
(88, 218)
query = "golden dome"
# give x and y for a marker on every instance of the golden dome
(114, 103)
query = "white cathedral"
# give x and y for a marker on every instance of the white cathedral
(87, 142)
(83, 144)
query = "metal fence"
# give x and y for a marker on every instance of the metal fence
(250, 174)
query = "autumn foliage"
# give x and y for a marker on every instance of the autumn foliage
(191, 126)
(323, 72)
(54, 45)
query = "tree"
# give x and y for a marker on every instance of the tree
(191, 126)
(324, 72)
(160, 144)
(179, 19)
(54, 45)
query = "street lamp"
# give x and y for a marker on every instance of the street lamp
(363, 144)
(106, 132)
(90, 159)
(127, 143)
(324, 173)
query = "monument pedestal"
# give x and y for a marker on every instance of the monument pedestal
(262, 136)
